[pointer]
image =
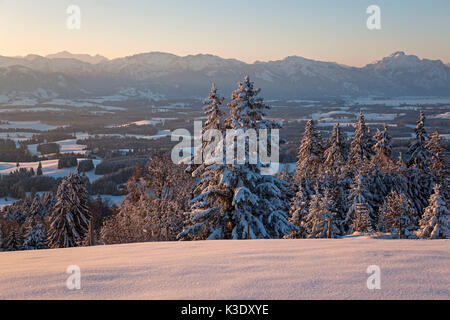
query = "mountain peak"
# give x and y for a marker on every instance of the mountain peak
(82, 57)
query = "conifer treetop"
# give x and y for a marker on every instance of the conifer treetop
(247, 109)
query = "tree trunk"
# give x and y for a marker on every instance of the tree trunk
(329, 229)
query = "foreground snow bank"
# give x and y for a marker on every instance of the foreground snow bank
(256, 269)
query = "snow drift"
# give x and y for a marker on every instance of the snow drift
(253, 269)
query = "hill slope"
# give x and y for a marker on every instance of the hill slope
(259, 269)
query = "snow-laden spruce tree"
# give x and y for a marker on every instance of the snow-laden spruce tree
(361, 145)
(335, 175)
(396, 179)
(212, 110)
(234, 200)
(383, 147)
(310, 154)
(379, 187)
(37, 208)
(435, 222)
(300, 209)
(309, 166)
(168, 190)
(397, 216)
(336, 154)
(214, 121)
(436, 148)
(361, 221)
(69, 220)
(383, 170)
(322, 220)
(360, 215)
(48, 201)
(420, 179)
(35, 236)
(419, 154)
(247, 110)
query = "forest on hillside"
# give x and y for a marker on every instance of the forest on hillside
(340, 186)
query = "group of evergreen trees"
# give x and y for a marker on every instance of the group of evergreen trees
(340, 185)
(346, 186)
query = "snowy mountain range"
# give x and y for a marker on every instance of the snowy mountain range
(82, 57)
(73, 75)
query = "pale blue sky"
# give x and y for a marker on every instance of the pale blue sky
(249, 30)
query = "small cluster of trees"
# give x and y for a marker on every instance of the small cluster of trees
(48, 148)
(22, 180)
(10, 152)
(346, 186)
(66, 219)
(158, 195)
(24, 224)
(67, 161)
(85, 165)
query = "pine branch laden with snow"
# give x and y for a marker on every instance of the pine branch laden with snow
(435, 222)
(234, 200)
(398, 216)
(69, 220)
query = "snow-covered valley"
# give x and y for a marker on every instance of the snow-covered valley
(253, 269)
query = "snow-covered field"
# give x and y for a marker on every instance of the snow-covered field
(49, 168)
(255, 269)
(151, 122)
